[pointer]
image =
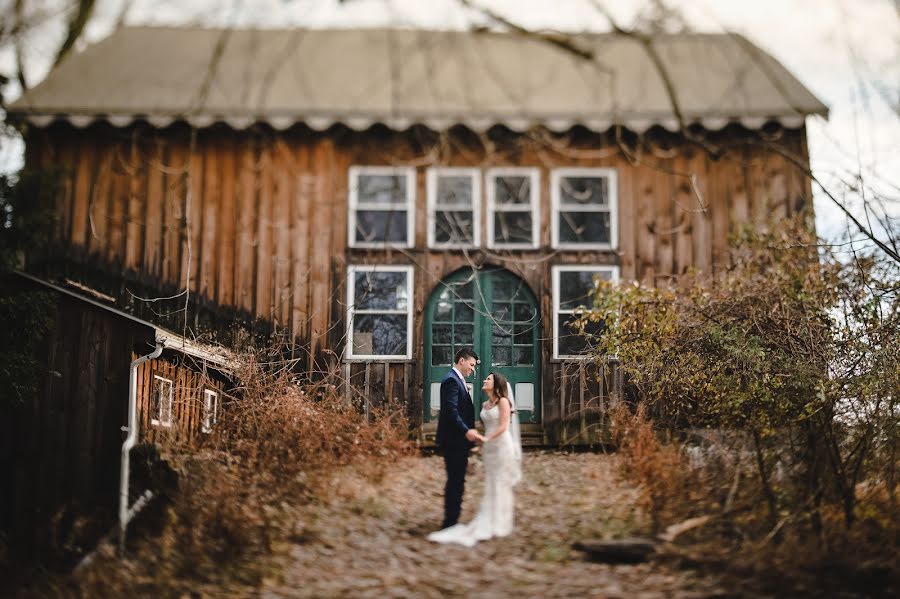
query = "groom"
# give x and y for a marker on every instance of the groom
(456, 431)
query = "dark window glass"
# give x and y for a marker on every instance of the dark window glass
(584, 227)
(570, 342)
(441, 355)
(524, 356)
(584, 191)
(454, 227)
(379, 334)
(512, 190)
(512, 227)
(380, 291)
(380, 226)
(454, 190)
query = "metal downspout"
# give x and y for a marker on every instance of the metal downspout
(125, 514)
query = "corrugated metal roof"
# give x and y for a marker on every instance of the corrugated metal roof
(398, 77)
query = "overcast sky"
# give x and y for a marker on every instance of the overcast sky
(847, 52)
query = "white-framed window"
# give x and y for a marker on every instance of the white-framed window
(454, 207)
(382, 206)
(584, 204)
(380, 312)
(210, 410)
(161, 401)
(513, 212)
(574, 287)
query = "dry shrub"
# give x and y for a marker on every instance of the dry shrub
(274, 449)
(659, 469)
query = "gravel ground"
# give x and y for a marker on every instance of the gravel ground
(370, 540)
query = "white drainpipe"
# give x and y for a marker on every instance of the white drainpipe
(126, 513)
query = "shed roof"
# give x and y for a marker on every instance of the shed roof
(402, 77)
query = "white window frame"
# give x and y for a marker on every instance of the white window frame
(432, 175)
(207, 404)
(353, 174)
(556, 270)
(158, 383)
(352, 311)
(556, 207)
(535, 175)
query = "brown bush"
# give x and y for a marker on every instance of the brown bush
(272, 450)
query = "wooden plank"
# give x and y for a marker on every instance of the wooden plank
(323, 230)
(154, 201)
(84, 180)
(701, 223)
(118, 206)
(98, 210)
(283, 192)
(174, 169)
(246, 237)
(264, 246)
(721, 172)
(301, 206)
(646, 224)
(192, 250)
(134, 169)
(627, 216)
(739, 205)
(208, 248)
(663, 220)
(684, 207)
(227, 224)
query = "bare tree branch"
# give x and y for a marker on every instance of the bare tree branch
(83, 13)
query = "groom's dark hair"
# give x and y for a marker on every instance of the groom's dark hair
(464, 354)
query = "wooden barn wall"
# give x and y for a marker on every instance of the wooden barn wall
(256, 222)
(190, 379)
(60, 453)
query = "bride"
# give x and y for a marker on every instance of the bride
(502, 458)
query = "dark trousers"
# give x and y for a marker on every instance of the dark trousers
(456, 460)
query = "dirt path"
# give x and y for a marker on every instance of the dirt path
(370, 542)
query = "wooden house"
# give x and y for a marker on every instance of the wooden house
(382, 197)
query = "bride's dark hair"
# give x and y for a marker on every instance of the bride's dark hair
(500, 382)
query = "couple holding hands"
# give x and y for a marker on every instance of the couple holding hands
(501, 453)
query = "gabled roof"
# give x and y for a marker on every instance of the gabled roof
(359, 77)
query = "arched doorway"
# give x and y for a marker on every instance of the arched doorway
(493, 311)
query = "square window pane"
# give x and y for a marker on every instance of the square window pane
(524, 313)
(523, 335)
(380, 226)
(454, 227)
(442, 333)
(463, 335)
(584, 227)
(441, 355)
(443, 310)
(512, 227)
(524, 356)
(380, 291)
(504, 290)
(464, 312)
(570, 342)
(500, 335)
(379, 334)
(500, 311)
(501, 356)
(512, 190)
(584, 191)
(381, 189)
(454, 190)
(576, 288)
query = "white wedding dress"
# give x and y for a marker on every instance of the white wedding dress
(502, 459)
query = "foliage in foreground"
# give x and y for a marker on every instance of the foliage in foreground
(275, 448)
(782, 373)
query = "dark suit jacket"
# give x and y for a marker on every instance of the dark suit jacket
(457, 413)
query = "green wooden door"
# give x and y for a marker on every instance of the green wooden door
(495, 313)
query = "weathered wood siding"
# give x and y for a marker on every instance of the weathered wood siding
(60, 453)
(190, 378)
(256, 222)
